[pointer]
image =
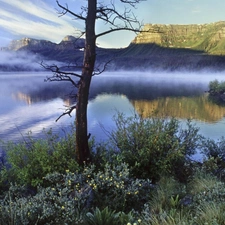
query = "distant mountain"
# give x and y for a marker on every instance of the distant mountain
(167, 47)
(62, 51)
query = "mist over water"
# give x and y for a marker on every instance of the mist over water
(27, 103)
(22, 61)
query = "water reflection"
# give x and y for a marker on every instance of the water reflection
(197, 108)
(28, 103)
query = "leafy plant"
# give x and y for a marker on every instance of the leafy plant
(113, 186)
(214, 156)
(64, 201)
(216, 87)
(154, 147)
(102, 217)
(32, 159)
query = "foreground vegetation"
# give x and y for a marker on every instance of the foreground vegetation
(146, 174)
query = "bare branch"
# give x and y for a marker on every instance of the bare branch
(67, 112)
(59, 75)
(132, 2)
(66, 10)
(117, 29)
(110, 15)
(98, 71)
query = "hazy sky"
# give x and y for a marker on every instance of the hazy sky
(39, 18)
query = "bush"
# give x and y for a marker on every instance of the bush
(214, 86)
(32, 159)
(114, 187)
(64, 201)
(214, 156)
(102, 217)
(70, 196)
(155, 147)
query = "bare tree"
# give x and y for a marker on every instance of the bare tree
(114, 20)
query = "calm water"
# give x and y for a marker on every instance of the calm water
(27, 103)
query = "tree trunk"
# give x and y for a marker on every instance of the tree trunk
(82, 147)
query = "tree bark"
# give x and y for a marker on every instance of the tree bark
(82, 147)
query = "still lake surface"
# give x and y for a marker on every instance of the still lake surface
(27, 103)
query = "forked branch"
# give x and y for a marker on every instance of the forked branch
(59, 75)
(66, 10)
(118, 21)
(99, 71)
(67, 112)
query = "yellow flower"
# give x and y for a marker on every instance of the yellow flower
(67, 171)
(69, 182)
(139, 220)
(63, 207)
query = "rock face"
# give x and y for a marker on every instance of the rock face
(209, 38)
(34, 45)
(68, 49)
(16, 45)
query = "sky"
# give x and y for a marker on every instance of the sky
(40, 19)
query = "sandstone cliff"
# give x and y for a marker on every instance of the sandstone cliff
(209, 38)
(30, 43)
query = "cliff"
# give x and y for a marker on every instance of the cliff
(209, 38)
(31, 44)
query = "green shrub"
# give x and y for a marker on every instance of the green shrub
(206, 188)
(108, 217)
(114, 187)
(102, 217)
(68, 197)
(208, 196)
(64, 201)
(32, 159)
(154, 147)
(214, 156)
(216, 87)
(166, 195)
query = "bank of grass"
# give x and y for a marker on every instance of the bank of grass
(144, 175)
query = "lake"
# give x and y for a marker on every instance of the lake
(27, 103)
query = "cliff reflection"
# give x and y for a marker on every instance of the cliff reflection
(199, 108)
(32, 99)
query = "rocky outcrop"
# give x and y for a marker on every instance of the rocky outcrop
(209, 38)
(45, 47)
(70, 42)
(29, 43)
